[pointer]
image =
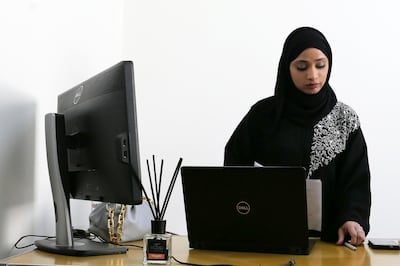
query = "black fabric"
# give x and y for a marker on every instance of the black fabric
(299, 106)
(278, 130)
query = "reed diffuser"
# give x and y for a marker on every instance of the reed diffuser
(157, 245)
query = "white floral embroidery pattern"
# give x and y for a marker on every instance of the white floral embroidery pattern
(331, 135)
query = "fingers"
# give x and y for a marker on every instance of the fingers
(354, 230)
(357, 235)
(360, 236)
(341, 235)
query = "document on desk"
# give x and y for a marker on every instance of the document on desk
(314, 203)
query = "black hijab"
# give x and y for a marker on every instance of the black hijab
(300, 107)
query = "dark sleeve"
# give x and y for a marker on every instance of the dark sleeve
(243, 146)
(238, 148)
(354, 182)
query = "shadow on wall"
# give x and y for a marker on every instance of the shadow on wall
(17, 150)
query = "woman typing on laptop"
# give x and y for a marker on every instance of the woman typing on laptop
(303, 124)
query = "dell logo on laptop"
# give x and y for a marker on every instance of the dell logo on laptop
(243, 207)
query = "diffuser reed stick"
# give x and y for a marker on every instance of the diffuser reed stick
(155, 186)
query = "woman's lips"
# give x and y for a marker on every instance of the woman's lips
(312, 86)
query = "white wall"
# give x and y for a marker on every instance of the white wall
(17, 146)
(200, 65)
(46, 48)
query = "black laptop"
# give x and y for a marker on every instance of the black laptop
(252, 209)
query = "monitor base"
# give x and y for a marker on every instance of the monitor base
(81, 247)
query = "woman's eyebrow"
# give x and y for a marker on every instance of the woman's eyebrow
(306, 61)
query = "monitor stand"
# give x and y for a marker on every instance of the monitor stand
(65, 243)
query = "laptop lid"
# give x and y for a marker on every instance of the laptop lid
(255, 209)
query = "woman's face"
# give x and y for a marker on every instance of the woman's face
(309, 70)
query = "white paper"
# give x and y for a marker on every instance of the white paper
(314, 203)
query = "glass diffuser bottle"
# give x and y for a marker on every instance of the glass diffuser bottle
(157, 245)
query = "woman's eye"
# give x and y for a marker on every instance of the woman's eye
(301, 67)
(321, 65)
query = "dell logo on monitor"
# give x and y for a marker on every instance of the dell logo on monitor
(78, 94)
(243, 207)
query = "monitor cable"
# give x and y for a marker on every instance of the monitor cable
(194, 264)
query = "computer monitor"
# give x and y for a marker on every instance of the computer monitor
(93, 153)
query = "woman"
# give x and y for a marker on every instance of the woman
(304, 124)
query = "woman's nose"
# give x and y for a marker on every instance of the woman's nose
(312, 73)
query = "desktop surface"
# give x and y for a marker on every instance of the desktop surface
(327, 254)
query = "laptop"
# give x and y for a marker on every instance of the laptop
(251, 209)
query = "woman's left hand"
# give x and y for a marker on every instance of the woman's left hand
(354, 230)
